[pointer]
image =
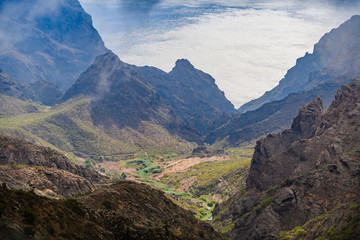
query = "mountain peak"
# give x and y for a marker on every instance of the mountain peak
(183, 64)
(308, 118)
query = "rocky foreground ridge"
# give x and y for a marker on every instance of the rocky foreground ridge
(26, 166)
(306, 177)
(125, 210)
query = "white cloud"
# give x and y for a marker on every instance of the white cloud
(247, 51)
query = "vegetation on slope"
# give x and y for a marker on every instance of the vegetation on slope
(342, 222)
(122, 211)
(68, 127)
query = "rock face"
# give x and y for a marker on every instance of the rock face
(193, 94)
(52, 41)
(15, 151)
(122, 211)
(302, 173)
(44, 181)
(304, 125)
(336, 53)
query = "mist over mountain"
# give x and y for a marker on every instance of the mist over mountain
(338, 50)
(333, 56)
(52, 41)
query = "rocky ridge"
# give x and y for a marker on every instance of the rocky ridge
(24, 165)
(302, 173)
(125, 210)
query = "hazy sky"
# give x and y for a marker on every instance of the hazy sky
(247, 46)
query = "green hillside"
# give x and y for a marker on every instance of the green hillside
(68, 127)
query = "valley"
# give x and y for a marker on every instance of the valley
(92, 147)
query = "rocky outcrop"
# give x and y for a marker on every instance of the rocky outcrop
(49, 182)
(335, 54)
(15, 151)
(294, 180)
(304, 125)
(123, 211)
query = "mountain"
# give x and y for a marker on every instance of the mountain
(192, 93)
(43, 92)
(275, 110)
(121, 97)
(52, 41)
(303, 180)
(336, 54)
(276, 116)
(111, 111)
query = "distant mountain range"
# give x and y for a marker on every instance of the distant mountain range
(335, 61)
(333, 56)
(139, 106)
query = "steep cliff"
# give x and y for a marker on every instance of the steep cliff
(302, 173)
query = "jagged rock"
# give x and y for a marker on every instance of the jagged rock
(265, 172)
(295, 178)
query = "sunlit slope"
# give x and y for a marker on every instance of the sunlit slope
(69, 127)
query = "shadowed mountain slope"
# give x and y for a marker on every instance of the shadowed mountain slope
(121, 97)
(123, 211)
(193, 94)
(271, 117)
